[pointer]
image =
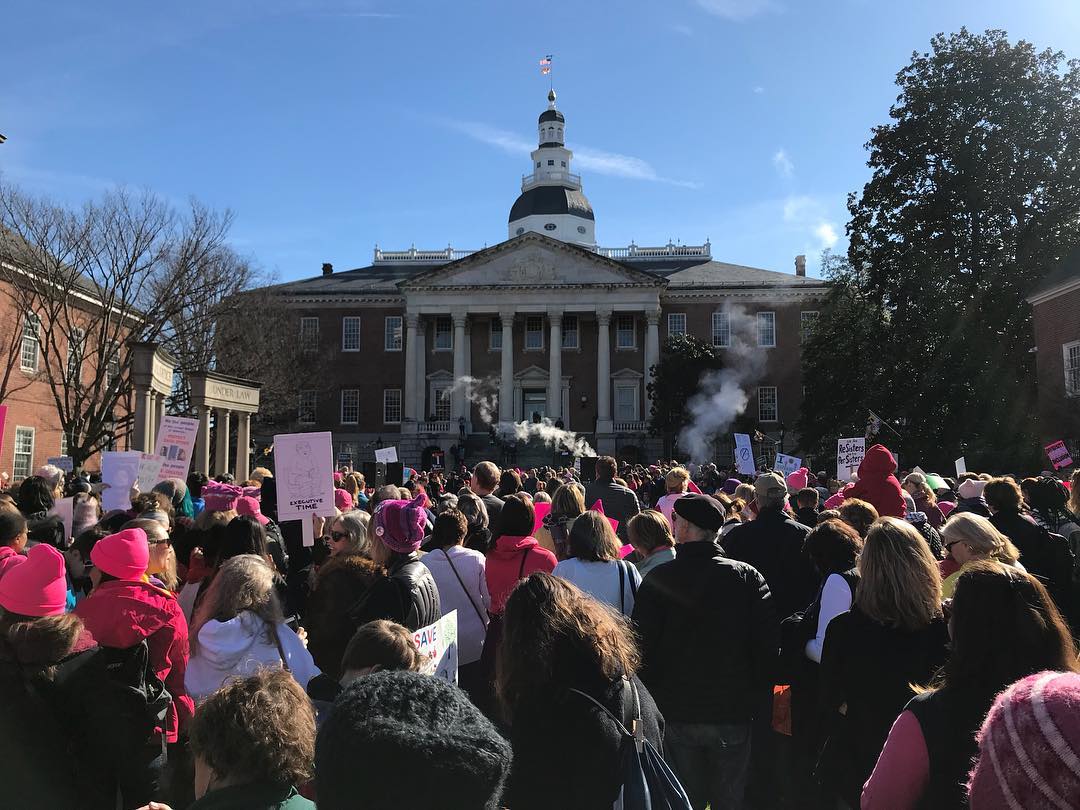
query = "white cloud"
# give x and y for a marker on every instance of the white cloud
(500, 138)
(782, 163)
(738, 10)
(827, 234)
(808, 215)
(682, 28)
(758, 89)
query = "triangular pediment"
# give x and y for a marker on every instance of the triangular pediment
(529, 261)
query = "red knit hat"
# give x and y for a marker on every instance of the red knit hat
(35, 586)
(124, 555)
(400, 524)
(343, 499)
(1042, 714)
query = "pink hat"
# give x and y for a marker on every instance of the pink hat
(36, 586)
(247, 505)
(218, 497)
(400, 524)
(946, 507)
(252, 492)
(797, 480)
(1042, 712)
(124, 555)
(343, 500)
(338, 478)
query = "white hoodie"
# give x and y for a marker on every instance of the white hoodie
(239, 647)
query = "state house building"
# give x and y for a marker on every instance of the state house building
(564, 329)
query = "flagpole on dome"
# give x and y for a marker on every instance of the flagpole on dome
(545, 70)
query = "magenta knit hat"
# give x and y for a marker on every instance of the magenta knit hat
(797, 480)
(35, 585)
(218, 497)
(250, 506)
(343, 500)
(400, 524)
(1042, 713)
(124, 555)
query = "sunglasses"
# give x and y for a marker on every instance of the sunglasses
(948, 546)
(339, 536)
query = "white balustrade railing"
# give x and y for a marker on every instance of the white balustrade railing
(630, 253)
(629, 427)
(532, 180)
(433, 427)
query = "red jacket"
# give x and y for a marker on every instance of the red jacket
(9, 558)
(877, 484)
(511, 559)
(121, 613)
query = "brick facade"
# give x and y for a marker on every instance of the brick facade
(1056, 325)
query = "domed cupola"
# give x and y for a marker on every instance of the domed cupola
(551, 201)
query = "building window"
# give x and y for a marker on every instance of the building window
(676, 323)
(1071, 356)
(538, 162)
(625, 333)
(31, 342)
(766, 404)
(112, 367)
(350, 406)
(563, 162)
(721, 330)
(534, 333)
(570, 332)
(495, 335)
(392, 333)
(551, 163)
(807, 324)
(442, 403)
(626, 402)
(24, 452)
(350, 334)
(444, 334)
(766, 329)
(305, 414)
(63, 442)
(391, 406)
(550, 226)
(309, 334)
(76, 349)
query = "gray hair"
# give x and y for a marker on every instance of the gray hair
(356, 522)
(52, 474)
(446, 501)
(474, 509)
(243, 583)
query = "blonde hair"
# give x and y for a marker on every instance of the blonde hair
(979, 534)
(568, 501)
(1074, 493)
(745, 493)
(677, 479)
(243, 583)
(899, 585)
(649, 530)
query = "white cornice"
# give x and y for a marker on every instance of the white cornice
(1043, 296)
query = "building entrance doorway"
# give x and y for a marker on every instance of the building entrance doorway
(533, 404)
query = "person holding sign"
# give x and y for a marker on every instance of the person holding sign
(877, 483)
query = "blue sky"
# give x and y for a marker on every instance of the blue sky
(328, 126)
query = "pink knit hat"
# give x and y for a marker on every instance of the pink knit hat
(343, 500)
(35, 586)
(250, 506)
(400, 524)
(797, 480)
(1042, 712)
(124, 555)
(218, 497)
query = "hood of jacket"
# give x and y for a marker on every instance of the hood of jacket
(877, 463)
(121, 613)
(510, 543)
(224, 645)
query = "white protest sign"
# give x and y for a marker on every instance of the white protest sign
(65, 510)
(65, 463)
(786, 465)
(961, 465)
(744, 454)
(175, 444)
(149, 470)
(849, 455)
(438, 644)
(304, 469)
(120, 471)
(387, 455)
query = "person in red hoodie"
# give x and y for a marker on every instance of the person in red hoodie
(124, 608)
(516, 553)
(878, 485)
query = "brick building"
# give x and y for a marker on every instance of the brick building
(1056, 304)
(559, 327)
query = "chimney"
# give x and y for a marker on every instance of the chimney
(800, 265)
(327, 268)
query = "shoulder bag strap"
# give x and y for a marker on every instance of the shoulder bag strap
(280, 649)
(462, 584)
(622, 586)
(605, 710)
(521, 568)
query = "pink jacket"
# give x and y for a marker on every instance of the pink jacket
(121, 613)
(9, 558)
(511, 559)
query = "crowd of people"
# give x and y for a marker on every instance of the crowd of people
(898, 641)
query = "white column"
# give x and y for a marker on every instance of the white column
(652, 354)
(554, 397)
(159, 411)
(421, 372)
(202, 441)
(243, 446)
(221, 426)
(408, 410)
(506, 380)
(457, 401)
(468, 373)
(143, 407)
(603, 371)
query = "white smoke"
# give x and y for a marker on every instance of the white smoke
(722, 395)
(484, 393)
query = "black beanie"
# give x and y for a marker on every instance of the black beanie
(400, 739)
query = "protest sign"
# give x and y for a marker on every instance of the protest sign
(961, 465)
(65, 510)
(1058, 454)
(119, 472)
(149, 470)
(786, 465)
(175, 443)
(744, 454)
(849, 455)
(387, 455)
(344, 461)
(304, 466)
(65, 463)
(438, 644)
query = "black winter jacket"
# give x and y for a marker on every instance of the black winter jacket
(1046, 555)
(709, 636)
(409, 596)
(619, 502)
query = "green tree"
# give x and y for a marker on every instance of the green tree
(683, 359)
(975, 194)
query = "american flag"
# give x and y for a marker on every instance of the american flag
(545, 65)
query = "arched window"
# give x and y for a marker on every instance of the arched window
(560, 133)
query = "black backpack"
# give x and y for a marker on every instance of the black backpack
(133, 700)
(647, 781)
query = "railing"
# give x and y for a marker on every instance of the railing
(630, 253)
(542, 178)
(448, 254)
(629, 427)
(433, 427)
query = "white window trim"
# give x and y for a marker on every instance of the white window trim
(1065, 347)
(344, 319)
(576, 347)
(757, 323)
(632, 385)
(76, 351)
(776, 403)
(435, 347)
(15, 451)
(401, 406)
(300, 407)
(713, 331)
(633, 332)
(435, 388)
(543, 340)
(685, 326)
(387, 346)
(495, 328)
(37, 343)
(345, 421)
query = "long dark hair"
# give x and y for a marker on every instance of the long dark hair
(35, 495)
